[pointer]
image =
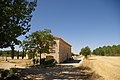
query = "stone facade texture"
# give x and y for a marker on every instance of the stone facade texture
(62, 50)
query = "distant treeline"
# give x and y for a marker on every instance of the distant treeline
(107, 51)
(8, 53)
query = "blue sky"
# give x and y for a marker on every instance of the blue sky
(81, 23)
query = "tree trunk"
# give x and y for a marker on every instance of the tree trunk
(18, 55)
(12, 52)
(23, 54)
(6, 58)
(40, 58)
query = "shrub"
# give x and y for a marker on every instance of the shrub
(4, 73)
(31, 55)
(9, 74)
(42, 60)
(51, 62)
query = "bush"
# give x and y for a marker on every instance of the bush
(42, 60)
(12, 70)
(4, 73)
(51, 62)
(8, 74)
(31, 55)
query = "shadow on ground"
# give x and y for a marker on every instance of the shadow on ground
(92, 59)
(72, 61)
(58, 72)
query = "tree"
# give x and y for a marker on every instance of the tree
(15, 16)
(7, 55)
(23, 54)
(85, 51)
(18, 54)
(12, 52)
(107, 50)
(40, 42)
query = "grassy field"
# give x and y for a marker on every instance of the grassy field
(108, 67)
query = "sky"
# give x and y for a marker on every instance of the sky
(81, 23)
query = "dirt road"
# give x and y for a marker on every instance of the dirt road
(107, 67)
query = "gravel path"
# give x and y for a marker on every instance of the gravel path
(107, 67)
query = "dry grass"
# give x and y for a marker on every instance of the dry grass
(21, 63)
(87, 67)
(86, 71)
(107, 67)
(83, 72)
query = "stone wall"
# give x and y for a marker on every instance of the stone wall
(64, 51)
(56, 48)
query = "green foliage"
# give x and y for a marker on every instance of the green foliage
(8, 74)
(12, 71)
(85, 51)
(42, 60)
(15, 16)
(51, 62)
(107, 51)
(39, 42)
(30, 55)
(8, 53)
(4, 73)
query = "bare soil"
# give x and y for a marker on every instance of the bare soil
(69, 71)
(95, 68)
(12, 63)
(63, 72)
(107, 67)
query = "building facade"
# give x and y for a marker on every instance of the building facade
(62, 51)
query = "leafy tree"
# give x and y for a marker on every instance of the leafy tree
(107, 50)
(40, 42)
(31, 55)
(100, 51)
(15, 16)
(85, 51)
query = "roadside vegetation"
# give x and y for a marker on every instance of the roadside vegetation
(85, 52)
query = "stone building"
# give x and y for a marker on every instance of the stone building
(62, 51)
